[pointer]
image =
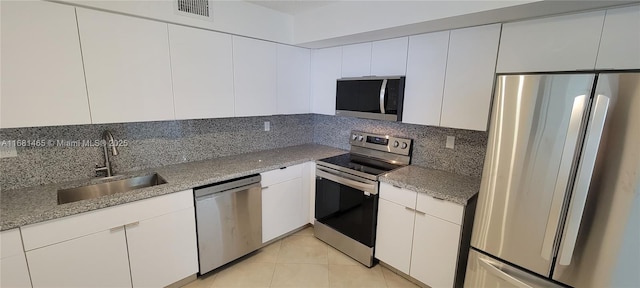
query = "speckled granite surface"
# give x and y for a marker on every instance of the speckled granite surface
(439, 184)
(25, 206)
(149, 144)
(467, 158)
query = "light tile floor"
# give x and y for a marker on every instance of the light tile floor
(300, 260)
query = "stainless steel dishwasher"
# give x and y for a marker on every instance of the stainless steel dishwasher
(229, 221)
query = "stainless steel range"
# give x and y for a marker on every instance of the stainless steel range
(346, 201)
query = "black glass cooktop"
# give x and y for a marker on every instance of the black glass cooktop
(360, 163)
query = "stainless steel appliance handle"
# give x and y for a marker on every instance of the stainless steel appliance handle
(502, 274)
(366, 187)
(564, 171)
(203, 194)
(583, 178)
(383, 89)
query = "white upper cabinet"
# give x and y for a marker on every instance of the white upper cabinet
(254, 69)
(389, 57)
(564, 43)
(127, 67)
(293, 80)
(356, 60)
(426, 67)
(325, 70)
(620, 43)
(42, 77)
(202, 71)
(468, 85)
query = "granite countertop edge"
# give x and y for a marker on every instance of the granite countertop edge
(439, 184)
(25, 206)
(39, 203)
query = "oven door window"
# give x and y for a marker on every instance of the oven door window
(347, 210)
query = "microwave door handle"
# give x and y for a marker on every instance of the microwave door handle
(566, 162)
(583, 178)
(383, 90)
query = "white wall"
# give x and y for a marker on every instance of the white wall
(231, 16)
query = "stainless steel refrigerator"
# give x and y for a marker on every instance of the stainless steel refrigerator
(559, 203)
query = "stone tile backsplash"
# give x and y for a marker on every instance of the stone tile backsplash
(153, 144)
(429, 150)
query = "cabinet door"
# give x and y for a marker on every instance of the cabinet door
(389, 57)
(564, 43)
(325, 71)
(435, 251)
(356, 60)
(424, 86)
(468, 85)
(394, 235)
(42, 76)
(162, 250)
(282, 208)
(620, 41)
(202, 73)
(13, 265)
(95, 260)
(127, 66)
(254, 70)
(293, 79)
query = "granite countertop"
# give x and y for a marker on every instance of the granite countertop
(439, 184)
(26, 206)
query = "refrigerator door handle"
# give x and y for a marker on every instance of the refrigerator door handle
(583, 178)
(502, 274)
(568, 152)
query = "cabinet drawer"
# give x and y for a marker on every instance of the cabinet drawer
(58, 230)
(398, 195)
(440, 208)
(10, 243)
(281, 175)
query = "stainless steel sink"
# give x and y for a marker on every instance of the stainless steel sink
(108, 188)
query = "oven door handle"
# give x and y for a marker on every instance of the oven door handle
(366, 187)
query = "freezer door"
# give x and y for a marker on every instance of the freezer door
(533, 143)
(605, 189)
(483, 271)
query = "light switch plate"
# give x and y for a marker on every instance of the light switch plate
(7, 151)
(451, 141)
(267, 126)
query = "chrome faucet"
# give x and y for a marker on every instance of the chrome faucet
(108, 141)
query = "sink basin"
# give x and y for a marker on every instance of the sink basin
(108, 188)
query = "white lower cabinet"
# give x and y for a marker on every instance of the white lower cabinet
(435, 251)
(13, 265)
(414, 237)
(394, 237)
(170, 256)
(98, 259)
(148, 243)
(285, 201)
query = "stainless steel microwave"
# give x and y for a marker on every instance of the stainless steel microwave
(371, 97)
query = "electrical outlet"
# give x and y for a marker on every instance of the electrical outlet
(7, 151)
(267, 126)
(451, 141)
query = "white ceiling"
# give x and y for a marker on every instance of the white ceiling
(292, 7)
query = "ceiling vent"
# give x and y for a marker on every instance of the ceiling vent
(200, 9)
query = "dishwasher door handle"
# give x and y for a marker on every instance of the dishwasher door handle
(204, 193)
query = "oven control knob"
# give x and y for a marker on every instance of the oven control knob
(404, 145)
(396, 144)
(360, 138)
(354, 137)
